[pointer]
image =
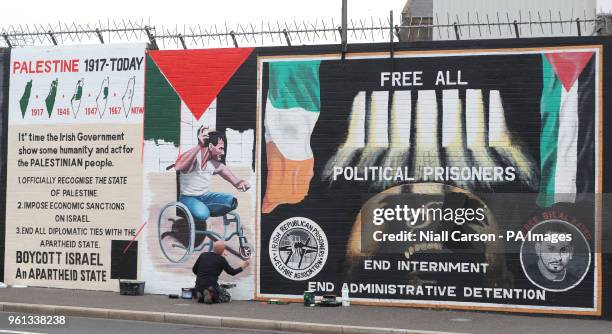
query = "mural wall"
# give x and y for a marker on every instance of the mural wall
(201, 102)
(74, 183)
(437, 178)
(453, 177)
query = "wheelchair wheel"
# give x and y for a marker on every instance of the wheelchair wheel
(176, 232)
(246, 251)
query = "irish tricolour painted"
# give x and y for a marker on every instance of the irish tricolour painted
(292, 108)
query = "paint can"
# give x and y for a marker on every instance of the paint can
(309, 298)
(131, 287)
(276, 302)
(187, 293)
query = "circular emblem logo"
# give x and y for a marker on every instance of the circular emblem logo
(298, 248)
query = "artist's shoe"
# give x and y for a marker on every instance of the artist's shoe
(200, 297)
(208, 299)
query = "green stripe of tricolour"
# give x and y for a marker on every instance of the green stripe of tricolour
(549, 115)
(295, 84)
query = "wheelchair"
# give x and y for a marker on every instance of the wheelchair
(187, 236)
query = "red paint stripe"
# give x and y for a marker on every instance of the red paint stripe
(134, 238)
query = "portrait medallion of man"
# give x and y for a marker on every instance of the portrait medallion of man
(555, 255)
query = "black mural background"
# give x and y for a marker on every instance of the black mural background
(335, 206)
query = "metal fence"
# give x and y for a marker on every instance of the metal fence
(290, 33)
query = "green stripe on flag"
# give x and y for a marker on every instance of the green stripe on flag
(549, 113)
(295, 84)
(163, 107)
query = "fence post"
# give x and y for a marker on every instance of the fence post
(287, 37)
(8, 42)
(233, 34)
(52, 37)
(391, 27)
(516, 29)
(99, 35)
(180, 36)
(344, 31)
(456, 30)
(151, 38)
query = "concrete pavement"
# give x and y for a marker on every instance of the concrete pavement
(291, 318)
(80, 325)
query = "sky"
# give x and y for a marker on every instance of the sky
(604, 6)
(191, 11)
(200, 11)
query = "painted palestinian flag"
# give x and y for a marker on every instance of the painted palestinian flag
(188, 80)
(567, 142)
(292, 109)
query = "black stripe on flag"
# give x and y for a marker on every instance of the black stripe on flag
(585, 175)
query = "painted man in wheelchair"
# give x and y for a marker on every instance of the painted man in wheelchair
(197, 167)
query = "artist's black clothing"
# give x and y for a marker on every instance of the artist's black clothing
(208, 267)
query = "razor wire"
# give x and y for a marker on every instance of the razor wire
(291, 33)
(109, 31)
(274, 33)
(522, 24)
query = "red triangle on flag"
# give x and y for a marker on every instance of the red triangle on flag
(568, 65)
(198, 76)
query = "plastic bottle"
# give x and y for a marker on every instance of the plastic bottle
(345, 296)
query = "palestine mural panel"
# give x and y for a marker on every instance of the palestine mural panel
(4, 85)
(201, 102)
(74, 173)
(439, 179)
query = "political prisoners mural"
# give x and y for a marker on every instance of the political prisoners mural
(74, 178)
(4, 73)
(460, 179)
(199, 162)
